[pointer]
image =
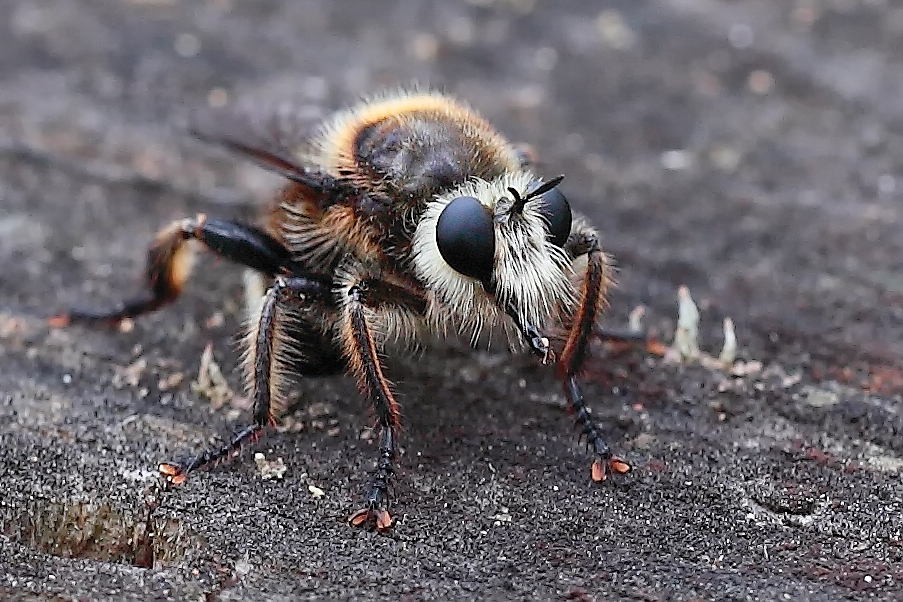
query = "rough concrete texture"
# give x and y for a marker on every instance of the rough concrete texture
(751, 150)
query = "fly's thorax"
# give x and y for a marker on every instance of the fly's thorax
(411, 145)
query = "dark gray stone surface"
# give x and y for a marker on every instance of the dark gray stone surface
(750, 149)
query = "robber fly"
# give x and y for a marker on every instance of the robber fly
(405, 214)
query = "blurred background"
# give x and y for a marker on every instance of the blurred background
(749, 149)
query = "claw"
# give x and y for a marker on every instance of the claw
(384, 521)
(360, 518)
(378, 517)
(173, 473)
(619, 466)
(598, 472)
(602, 468)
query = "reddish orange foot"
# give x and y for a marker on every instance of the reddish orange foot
(602, 468)
(173, 473)
(372, 517)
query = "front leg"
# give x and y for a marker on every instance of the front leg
(584, 241)
(360, 297)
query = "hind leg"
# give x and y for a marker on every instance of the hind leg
(169, 261)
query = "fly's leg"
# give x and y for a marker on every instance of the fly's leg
(267, 350)
(584, 241)
(362, 296)
(169, 262)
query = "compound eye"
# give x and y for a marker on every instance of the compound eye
(466, 237)
(555, 209)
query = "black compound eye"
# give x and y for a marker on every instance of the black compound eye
(554, 207)
(466, 237)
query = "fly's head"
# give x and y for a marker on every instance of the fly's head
(498, 247)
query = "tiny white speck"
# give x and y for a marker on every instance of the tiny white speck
(187, 45)
(461, 31)
(887, 184)
(67, 378)
(546, 58)
(740, 36)
(316, 88)
(615, 32)
(676, 160)
(242, 568)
